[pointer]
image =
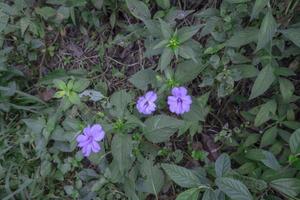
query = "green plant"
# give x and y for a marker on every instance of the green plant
(67, 65)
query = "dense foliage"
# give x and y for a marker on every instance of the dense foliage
(140, 99)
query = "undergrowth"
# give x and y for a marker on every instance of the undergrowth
(140, 99)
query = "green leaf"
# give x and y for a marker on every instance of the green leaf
(21, 188)
(165, 58)
(3, 20)
(45, 169)
(182, 176)
(266, 157)
(159, 128)
(24, 23)
(166, 29)
(287, 186)
(63, 13)
(98, 4)
(46, 12)
(161, 44)
(121, 148)
(187, 52)
(120, 101)
(93, 94)
(292, 34)
(259, 5)
(35, 125)
(246, 71)
(263, 81)
(234, 189)
(59, 94)
(294, 142)
(74, 98)
(214, 49)
(237, 1)
(138, 9)
(154, 178)
(253, 184)
(164, 4)
(265, 112)
(191, 194)
(270, 161)
(243, 37)
(197, 112)
(143, 78)
(187, 71)
(267, 30)
(255, 154)
(286, 89)
(80, 85)
(186, 33)
(269, 137)
(222, 165)
(209, 195)
(60, 84)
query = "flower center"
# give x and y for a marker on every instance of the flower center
(146, 104)
(90, 138)
(179, 100)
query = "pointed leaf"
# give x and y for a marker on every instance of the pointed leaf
(164, 4)
(74, 98)
(159, 128)
(293, 34)
(222, 165)
(265, 112)
(263, 81)
(259, 5)
(139, 9)
(143, 78)
(191, 194)
(243, 37)
(269, 137)
(121, 148)
(294, 142)
(287, 186)
(165, 59)
(182, 176)
(187, 71)
(234, 189)
(209, 195)
(267, 30)
(165, 29)
(286, 88)
(120, 101)
(188, 32)
(80, 85)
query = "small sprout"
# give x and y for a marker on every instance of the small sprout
(173, 43)
(171, 83)
(119, 125)
(199, 155)
(163, 152)
(137, 137)
(100, 114)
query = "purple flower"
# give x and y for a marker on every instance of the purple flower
(180, 102)
(88, 141)
(145, 104)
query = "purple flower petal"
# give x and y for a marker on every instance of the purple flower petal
(88, 140)
(87, 131)
(97, 132)
(95, 147)
(81, 138)
(151, 96)
(87, 150)
(145, 104)
(180, 102)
